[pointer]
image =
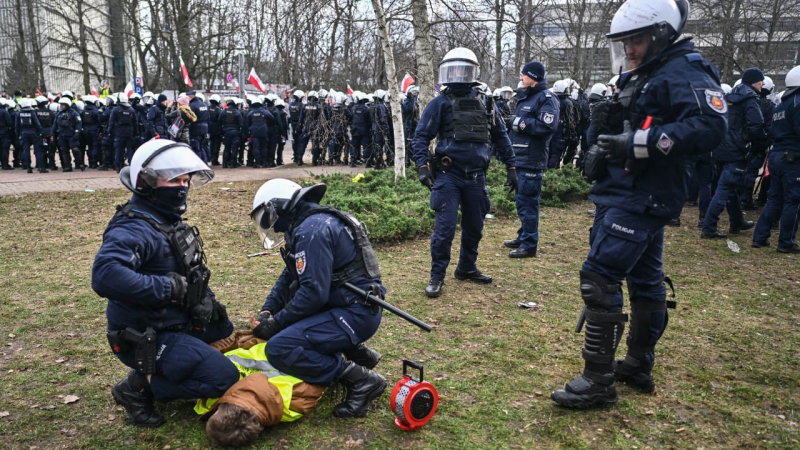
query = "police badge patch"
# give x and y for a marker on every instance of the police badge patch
(521, 125)
(716, 100)
(548, 118)
(300, 262)
(664, 144)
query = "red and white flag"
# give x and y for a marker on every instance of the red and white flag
(94, 90)
(255, 81)
(408, 80)
(128, 90)
(349, 91)
(185, 73)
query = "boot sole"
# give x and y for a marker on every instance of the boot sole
(648, 389)
(471, 280)
(575, 403)
(124, 404)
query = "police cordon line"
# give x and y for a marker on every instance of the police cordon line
(166, 324)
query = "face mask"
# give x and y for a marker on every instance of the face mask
(282, 225)
(173, 197)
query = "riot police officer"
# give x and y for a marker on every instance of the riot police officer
(295, 112)
(566, 129)
(198, 130)
(29, 131)
(310, 119)
(6, 131)
(639, 166)
(124, 126)
(214, 127)
(783, 201)
(258, 129)
(283, 123)
(746, 131)
(410, 110)
(465, 122)
(46, 117)
(759, 152)
(535, 120)
(66, 130)
(90, 131)
(231, 121)
(360, 126)
(275, 130)
(152, 269)
(309, 317)
(107, 137)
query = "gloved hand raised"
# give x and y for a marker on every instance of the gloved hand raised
(616, 144)
(511, 180)
(425, 177)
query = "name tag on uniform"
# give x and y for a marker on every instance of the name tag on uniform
(203, 108)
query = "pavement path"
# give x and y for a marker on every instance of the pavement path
(20, 182)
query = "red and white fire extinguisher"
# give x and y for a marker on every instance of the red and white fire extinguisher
(413, 400)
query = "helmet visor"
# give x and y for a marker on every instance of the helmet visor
(458, 72)
(264, 218)
(635, 50)
(174, 162)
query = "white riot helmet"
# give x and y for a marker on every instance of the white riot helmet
(459, 65)
(506, 92)
(575, 94)
(80, 105)
(64, 101)
(279, 103)
(271, 97)
(148, 94)
(323, 93)
(726, 88)
(298, 94)
(768, 84)
(379, 94)
(560, 87)
(54, 107)
(274, 198)
(655, 22)
(122, 98)
(200, 96)
(482, 87)
(41, 99)
(413, 89)
(613, 81)
(24, 102)
(792, 82)
(89, 98)
(182, 94)
(313, 94)
(215, 98)
(496, 93)
(371, 98)
(598, 91)
(737, 82)
(68, 94)
(110, 100)
(163, 159)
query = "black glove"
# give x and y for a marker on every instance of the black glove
(220, 313)
(425, 177)
(179, 287)
(202, 312)
(511, 180)
(266, 329)
(616, 144)
(264, 316)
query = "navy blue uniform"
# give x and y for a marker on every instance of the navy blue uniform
(157, 122)
(410, 111)
(214, 132)
(682, 95)
(130, 270)
(107, 139)
(783, 201)
(535, 120)
(258, 129)
(29, 130)
(231, 122)
(746, 130)
(319, 322)
(758, 152)
(90, 135)
(6, 131)
(296, 108)
(67, 129)
(360, 126)
(46, 118)
(309, 122)
(283, 122)
(124, 126)
(276, 130)
(464, 184)
(198, 130)
(564, 133)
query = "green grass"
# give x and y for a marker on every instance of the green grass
(727, 367)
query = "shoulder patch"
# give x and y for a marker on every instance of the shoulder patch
(548, 118)
(300, 262)
(716, 100)
(692, 57)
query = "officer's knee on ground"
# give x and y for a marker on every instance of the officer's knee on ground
(597, 291)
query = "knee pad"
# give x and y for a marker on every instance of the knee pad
(597, 291)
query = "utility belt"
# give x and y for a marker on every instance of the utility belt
(145, 345)
(372, 290)
(445, 164)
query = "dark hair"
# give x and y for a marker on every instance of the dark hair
(233, 426)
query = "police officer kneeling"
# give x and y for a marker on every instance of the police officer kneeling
(151, 267)
(309, 318)
(646, 143)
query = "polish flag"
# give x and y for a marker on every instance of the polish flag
(408, 80)
(255, 81)
(185, 73)
(94, 91)
(128, 90)
(349, 91)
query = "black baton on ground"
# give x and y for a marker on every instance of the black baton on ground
(373, 299)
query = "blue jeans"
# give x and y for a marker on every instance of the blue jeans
(629, 246)
(311, 348)
(529, 188)
(728, 189)
(783, 202)
(450, 191)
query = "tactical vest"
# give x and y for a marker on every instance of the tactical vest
(214, 110)
(312, 111)
(45, 118)
(294, 112)
(88, 118)
(258, 119)
(125, 117)
(26, 118)
(184, 241)
(365, 264)
(229, 118)
(471, 120)
(359, 116)
(64, 119)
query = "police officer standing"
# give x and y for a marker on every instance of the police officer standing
(29, 131)
(152, 269)
(746, 132)
(6, 130)
(214, 127)
(46, 117)
(465, 122)
(360, 126)
(198, 130)
(783, 201)
(90, 131)
(256, 124)
(535, 120)
(295, 112)
(309, 317)
(124, 126)
(640, 185)
(231, 121)
(66, 130)
(156, 118)
(410, 110)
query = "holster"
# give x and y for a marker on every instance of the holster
(197, 280)
(145, 347)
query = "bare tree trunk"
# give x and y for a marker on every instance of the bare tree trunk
(37, 51)
(424, 51)
(394, 92)
(332, 50)
(500, 9)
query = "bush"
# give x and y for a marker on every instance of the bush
(394, 211)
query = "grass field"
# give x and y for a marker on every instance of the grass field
(727, 367)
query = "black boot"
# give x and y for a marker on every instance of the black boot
(363, 386)
(476, 276)
(363, 356)
(434, 288)
(133, 393)
(635, 373)
(595, 388)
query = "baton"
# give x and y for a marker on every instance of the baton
(373, 299)
(251, 255)
(581, 321)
